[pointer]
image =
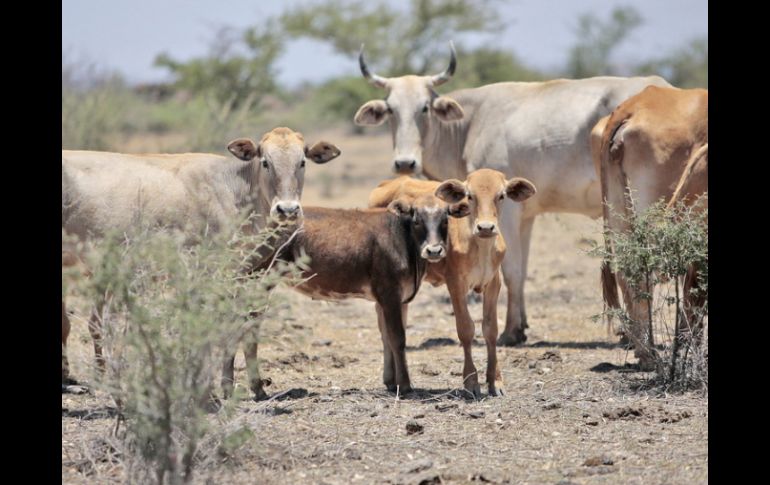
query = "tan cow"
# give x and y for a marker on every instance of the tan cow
(475, 251)
(537, 130)
(651, 144)
(197, 193)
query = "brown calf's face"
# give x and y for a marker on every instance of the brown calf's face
(279, 160)
(427, 216)
(485, 190)
(411, 105)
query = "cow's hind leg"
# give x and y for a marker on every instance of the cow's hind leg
(515, 232)
(256, 383)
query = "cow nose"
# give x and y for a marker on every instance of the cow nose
(485, 227)
(407, 166)
(287, 208)
(434, 252)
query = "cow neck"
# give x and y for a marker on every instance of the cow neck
(443, 153)
(252, 200)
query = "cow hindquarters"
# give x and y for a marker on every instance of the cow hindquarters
(489, 327)
(517, 233)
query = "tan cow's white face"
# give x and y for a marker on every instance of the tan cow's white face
(279, 165)
(410, 106)
(485, 190)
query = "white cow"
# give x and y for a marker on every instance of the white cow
(536, 130)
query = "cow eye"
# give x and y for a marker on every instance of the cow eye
(425, 109)
(502, 196)
(470, 197)
(302, 163)
(264, 163)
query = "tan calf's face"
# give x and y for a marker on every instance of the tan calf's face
(279, 160)
(485, 190)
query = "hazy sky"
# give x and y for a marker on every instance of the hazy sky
(127, 34)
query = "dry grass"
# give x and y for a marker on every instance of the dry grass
(569, 406)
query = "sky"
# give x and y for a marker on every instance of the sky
(126, 35)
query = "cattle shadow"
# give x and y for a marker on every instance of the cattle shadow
(590, 345)
(105, 412)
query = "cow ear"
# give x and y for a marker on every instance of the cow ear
(372, 113)
(452, 191)
(322, 152)
(447, 109)
(520, 189)
(400, 208)
(459, 210)
(244, 149)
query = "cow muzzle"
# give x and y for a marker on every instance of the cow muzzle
(405, 166)
(286, 209)
(433, 253)
(485, 229)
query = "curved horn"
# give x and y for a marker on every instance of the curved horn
(372, 78)
(445, 76)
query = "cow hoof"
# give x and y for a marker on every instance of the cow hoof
(259, 389)
(401, 389)
(69, 381)
(510, 340)
(496, 392)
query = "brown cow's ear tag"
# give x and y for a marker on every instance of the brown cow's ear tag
(244, 149)
(322, 152)
(520, 189)
(459, 210)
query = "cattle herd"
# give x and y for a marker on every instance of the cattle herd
(496, 156)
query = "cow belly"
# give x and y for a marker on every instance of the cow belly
(320, 292)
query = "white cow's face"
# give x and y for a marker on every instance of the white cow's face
(411, 105)
(280, 160)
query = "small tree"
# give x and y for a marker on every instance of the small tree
(663, 246)
(171, 315)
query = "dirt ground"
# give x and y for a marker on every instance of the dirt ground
(572, 412)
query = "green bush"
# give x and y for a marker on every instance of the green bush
(658, 248)
(171, 314)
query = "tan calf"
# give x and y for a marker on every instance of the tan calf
(475, 250)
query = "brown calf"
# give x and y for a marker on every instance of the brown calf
(382, 254)
(475, 251)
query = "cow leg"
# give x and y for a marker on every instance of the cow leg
(250, 348)
(95, 329)
(513, 230)
(465, 332)
(489, 327)
(388, 368)
(395, 332)
(638, 329)
(228, 376)
(526, 237)
(694, 300)
(65, 333)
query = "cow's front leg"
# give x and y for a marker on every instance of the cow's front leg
(396, 334)
(256, 383)
(388, 368)
(465, 332)
(489, 327)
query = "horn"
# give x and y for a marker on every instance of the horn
(445, 76)
(372, 78)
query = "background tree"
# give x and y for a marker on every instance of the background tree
(686, 67)
(596, 40)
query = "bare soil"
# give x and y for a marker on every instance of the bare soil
(574, 410)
